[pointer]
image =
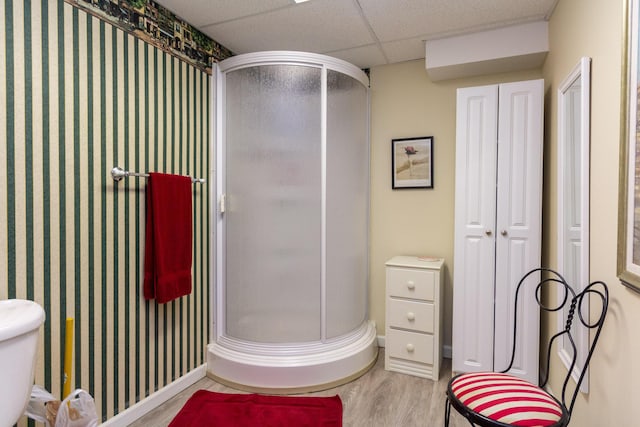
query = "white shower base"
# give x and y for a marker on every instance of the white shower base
(294, 368)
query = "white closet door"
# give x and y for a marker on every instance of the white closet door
(475, 203)
(518, 224)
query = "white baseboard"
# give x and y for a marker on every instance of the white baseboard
(156, 399)
(446, 349)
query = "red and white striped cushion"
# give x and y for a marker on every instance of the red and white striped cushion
(504, 398)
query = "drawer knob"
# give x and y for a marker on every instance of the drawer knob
(411, 315)
(411, 285)
(410, 348)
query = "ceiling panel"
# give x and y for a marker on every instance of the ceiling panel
(362, 57)
(316, 26)
(402, 19)
(206, 12)
(404, 50)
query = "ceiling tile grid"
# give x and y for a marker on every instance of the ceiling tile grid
(364, 32)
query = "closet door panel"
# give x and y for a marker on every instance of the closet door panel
(475, 202)
(518, 221)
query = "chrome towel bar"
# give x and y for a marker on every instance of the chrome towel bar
(117, 173)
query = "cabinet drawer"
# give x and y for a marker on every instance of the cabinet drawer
(408, 283)
(417, 316)
(410, 346)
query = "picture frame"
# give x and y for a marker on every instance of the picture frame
(412, 163)
(628, 268)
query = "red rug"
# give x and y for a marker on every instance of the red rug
(207, 408)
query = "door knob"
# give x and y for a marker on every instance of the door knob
(503, 232)
(487, 232)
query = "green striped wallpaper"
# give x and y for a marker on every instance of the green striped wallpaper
(77, 97)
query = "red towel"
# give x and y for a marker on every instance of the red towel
(167, 258)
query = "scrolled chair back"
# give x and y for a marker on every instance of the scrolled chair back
(597, 289)
(491, 385)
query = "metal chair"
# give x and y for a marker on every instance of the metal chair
(498, 399)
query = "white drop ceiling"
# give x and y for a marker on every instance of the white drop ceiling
(364, 32)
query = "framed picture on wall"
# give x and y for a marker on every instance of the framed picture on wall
(629, 198)
(412, 162)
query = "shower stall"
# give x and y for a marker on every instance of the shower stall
(291, 237)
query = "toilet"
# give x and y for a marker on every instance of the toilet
(19, 324)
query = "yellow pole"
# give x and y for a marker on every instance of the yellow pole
(68, 353)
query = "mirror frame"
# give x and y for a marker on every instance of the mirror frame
(628, 270)
(582, 73)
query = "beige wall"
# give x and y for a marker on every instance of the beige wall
(594, 28)
(405, 103)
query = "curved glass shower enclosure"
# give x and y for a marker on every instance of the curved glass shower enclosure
(292, 172)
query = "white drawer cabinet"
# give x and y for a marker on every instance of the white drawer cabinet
(413, 316)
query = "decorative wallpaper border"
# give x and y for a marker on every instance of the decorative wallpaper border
(158, 26)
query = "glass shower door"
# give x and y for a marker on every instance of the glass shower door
(273, 191)
(347, 204)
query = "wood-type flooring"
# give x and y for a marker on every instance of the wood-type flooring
(379, 398)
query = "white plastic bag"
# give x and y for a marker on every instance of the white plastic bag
(77, 410)
(36, 408)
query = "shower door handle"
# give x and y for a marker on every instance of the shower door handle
(223, 202)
